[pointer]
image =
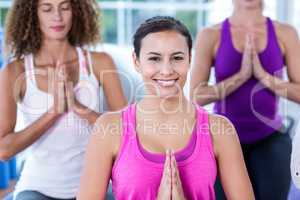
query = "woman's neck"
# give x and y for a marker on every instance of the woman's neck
(53, 51)
(164, 106)
(247, 17)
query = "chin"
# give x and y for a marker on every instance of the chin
(172, 93)
(57, 36)
(252, 5)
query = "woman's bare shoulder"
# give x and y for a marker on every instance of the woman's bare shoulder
(210, 32)
(108, 128)
(285, 31)
(222, 131)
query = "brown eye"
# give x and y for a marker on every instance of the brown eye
(154, 58)
(178, 58)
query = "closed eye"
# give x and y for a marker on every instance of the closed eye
(66, 6)
(46, 8)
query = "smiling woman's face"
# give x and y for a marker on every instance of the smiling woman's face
(55, 18)
(164, 63)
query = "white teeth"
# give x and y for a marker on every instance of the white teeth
(166, 83)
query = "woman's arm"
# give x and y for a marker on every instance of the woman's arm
(232, 170)
(12, 142)
(107, 75)
(287, 89)
(101, 151)
(200, 91)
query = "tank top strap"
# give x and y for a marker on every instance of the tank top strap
(225, 32)
(90, 61)
(83, 70)
(126, 134)
(29, 68)
(270, 28)
(272, 38)
(128, 121)
(203, 130)
(202, 119)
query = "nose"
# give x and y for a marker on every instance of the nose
(167, 68)
(57, 14)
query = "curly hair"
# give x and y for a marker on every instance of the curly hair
(23, 34)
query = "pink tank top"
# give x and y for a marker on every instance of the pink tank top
(137, 173)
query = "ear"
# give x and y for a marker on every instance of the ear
(136, 62)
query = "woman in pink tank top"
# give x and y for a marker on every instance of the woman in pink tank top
(163, 147)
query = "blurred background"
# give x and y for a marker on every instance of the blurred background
(120, 18)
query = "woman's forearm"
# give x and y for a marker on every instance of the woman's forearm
(86, 113)
(286, 89)
(15, 142)
(205, 94)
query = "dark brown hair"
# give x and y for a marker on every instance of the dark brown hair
(159, 24)
(23, 34)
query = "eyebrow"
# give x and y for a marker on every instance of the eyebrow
(49, 4)
(154, 53)
(178, 52)
(158, 54)
(66, 1)
(45, 4)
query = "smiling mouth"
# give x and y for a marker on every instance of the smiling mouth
(166, 83)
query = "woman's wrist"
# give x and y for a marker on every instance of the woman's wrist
(53, 113)
(261, 75)
(242, 77)
(78, 108)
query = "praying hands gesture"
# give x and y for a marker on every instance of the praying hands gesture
(63, 91)
(251, 65)
(58, 90)
(170, 186)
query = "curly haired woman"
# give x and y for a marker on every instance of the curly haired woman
(55, 84)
